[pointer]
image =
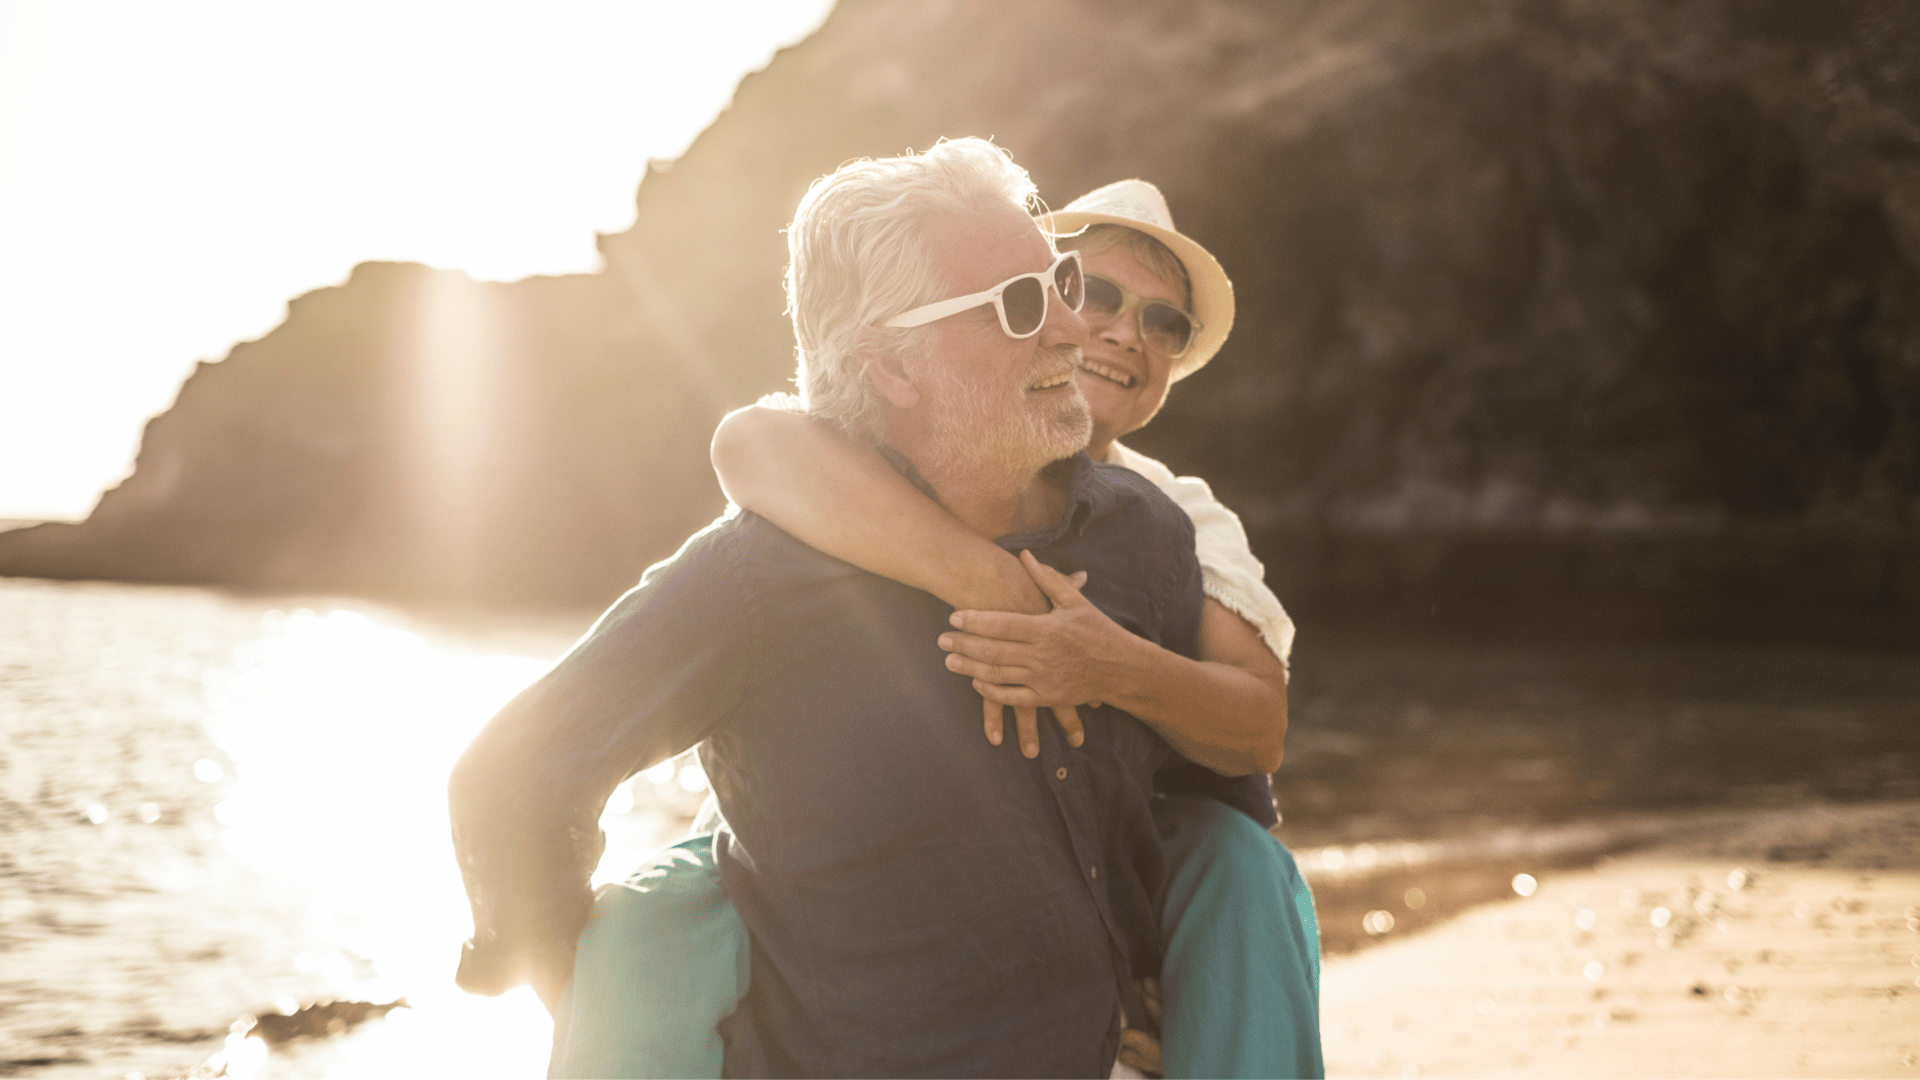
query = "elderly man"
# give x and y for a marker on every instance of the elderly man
(919, 901)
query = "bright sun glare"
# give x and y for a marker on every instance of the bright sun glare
(172, 174)
(342, 730)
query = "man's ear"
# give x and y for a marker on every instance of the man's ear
(886, 369)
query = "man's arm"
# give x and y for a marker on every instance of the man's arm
(651, 679)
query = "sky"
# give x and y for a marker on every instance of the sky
(172, 174)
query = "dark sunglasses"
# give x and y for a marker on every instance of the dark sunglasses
(1021, 300)
(1163, 327)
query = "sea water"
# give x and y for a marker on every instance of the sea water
(214, 806)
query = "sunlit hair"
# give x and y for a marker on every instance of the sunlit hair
(856, 255)
(1151, 253)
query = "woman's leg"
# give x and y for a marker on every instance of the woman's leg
(1240, 986)
(663, 960)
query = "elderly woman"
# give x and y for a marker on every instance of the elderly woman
(1241, 968)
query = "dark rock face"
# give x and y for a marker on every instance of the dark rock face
(413, 434)
(1603, 302)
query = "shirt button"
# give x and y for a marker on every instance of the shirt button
(1060, 773)
(1095, 872)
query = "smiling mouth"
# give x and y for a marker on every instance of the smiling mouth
(1112, 374)
(1054, 382)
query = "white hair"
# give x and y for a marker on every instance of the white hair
(1148, 252)
(857, 256)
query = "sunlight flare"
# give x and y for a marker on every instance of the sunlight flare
(455, 394)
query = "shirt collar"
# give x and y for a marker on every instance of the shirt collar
(1087, 492)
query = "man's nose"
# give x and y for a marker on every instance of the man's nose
(1064, 326)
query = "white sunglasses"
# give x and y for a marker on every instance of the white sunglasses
(1020, 301)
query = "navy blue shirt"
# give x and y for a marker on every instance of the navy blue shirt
(920, 902)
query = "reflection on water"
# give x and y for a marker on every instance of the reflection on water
(217, 806)
(341, 732)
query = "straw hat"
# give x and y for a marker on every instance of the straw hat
(1139, 205)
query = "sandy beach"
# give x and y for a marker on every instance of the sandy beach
(1770, 943)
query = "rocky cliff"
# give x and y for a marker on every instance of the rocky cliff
(1610, 302)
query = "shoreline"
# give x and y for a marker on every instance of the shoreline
(1433, 770)
(1766, 943)
(1782, 969)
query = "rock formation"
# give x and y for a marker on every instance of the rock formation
(1600, 302)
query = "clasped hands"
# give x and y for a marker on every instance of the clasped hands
(1070, 656)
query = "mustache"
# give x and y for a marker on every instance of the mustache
(1054, 358)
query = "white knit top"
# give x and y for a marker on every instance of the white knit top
(1231, 574)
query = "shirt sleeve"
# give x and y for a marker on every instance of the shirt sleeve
(652, 677)
(1229, 571)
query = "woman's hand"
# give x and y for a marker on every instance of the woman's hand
(1027, 726)
(1069, 656)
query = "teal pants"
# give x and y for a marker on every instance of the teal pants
(664, 958)
(1240, 981)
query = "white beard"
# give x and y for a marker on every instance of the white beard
(979, 430)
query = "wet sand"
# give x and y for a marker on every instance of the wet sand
(1398, 734)
(1764, 943)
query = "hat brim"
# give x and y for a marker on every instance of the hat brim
(1212, 298)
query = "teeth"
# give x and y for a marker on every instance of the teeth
(1111, 374)
(1047, 384)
